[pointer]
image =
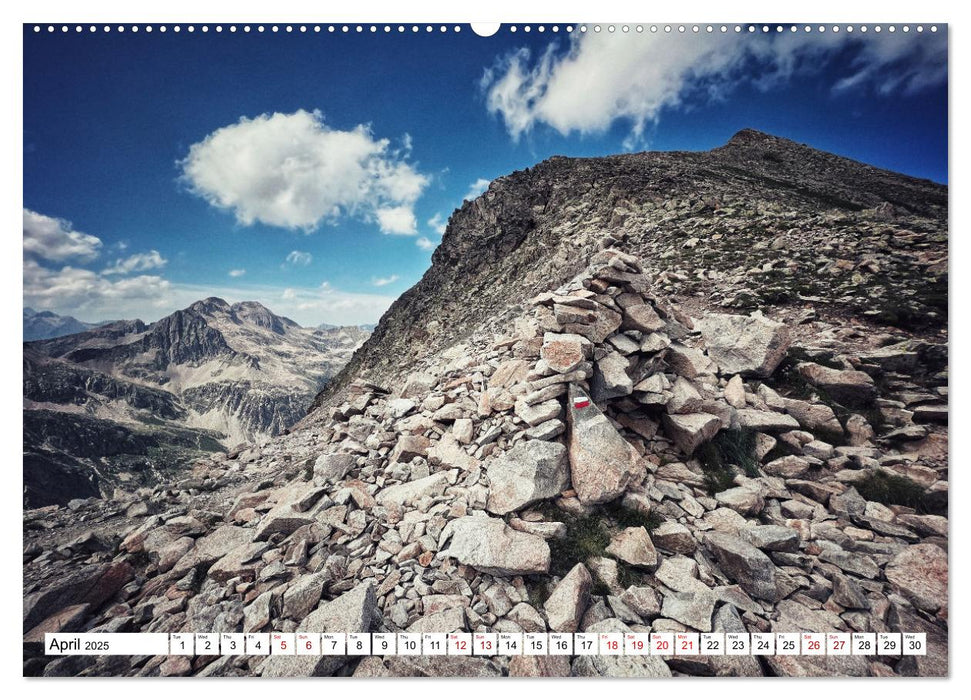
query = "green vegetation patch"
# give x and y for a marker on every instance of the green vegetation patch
(721, 457)
(893, 489)
(586, 536)
(589, 536)
(629, 517)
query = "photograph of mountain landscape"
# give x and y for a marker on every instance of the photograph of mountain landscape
(568, 332)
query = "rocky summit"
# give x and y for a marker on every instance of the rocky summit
(690, 440)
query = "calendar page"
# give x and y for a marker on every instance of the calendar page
(563, 349)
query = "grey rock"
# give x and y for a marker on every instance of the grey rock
(755, 419)
(674, 537)
(331, 468)
(610, 379)
(772, 538)
(693, 609)
(642, 317)
(411, 491)
(547, 430)
(532, 471)
(642, 600)
(213, 547)
(535, 414)
(747, 345)
(849, 387)
(633, 545)
(303, 595)
(742, 499)
(920, 572)
(744, 564)
(488, 545)
(569, 600)
(408, 447)
(788, 467)
(602, 463)
(691, 430)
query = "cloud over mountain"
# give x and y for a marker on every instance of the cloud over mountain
(48, 238)
(602, 78)
(136, 263)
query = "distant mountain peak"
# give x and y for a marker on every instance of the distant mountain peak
(43, 325)
(209, 305)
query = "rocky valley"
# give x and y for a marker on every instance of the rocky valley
(127, 402)
(651, 392)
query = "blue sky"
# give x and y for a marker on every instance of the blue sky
(313, 172)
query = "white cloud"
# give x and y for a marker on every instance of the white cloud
(603, 78)
(91, 297)
(299, 257)
(426, 243)
(294, 171)
(477, 188)
(384, 281)
(237, 273)
(400, 220)
(438, 223)
(140, 262)
(47, 238)
(87, 294)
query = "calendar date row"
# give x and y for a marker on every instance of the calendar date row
(492, 644)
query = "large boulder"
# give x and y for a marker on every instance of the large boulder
(610, 378)
(331, 468)
(691, 608)
(633, 545)
(569, 600)
(408, 447)
(744, 564)
(602, 463)
(691, 430)
(814, 417)
(564, 352)
(596, 325)
(747, 345)
(488, 545)
(91, 585)
(292, 511)
(742, 499)
(847, 386)
(411, 491)
(212, 547)
(531, 471)
(920, 573)
(355, 611)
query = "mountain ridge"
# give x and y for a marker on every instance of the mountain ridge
(223, 373)
(534, 227)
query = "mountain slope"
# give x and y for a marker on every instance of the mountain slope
(236, 369)
(203, 378)
(603, 462)
(761, 221)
